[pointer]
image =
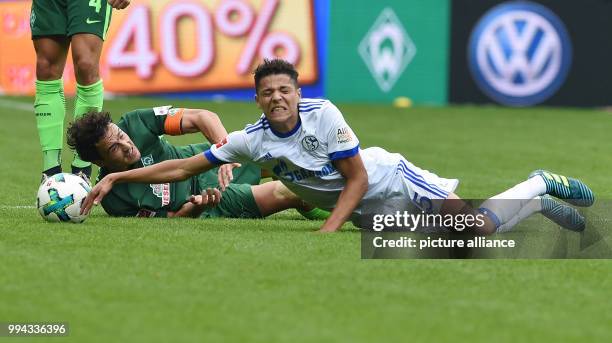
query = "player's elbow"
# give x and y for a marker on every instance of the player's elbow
(360, 181)
(209, 115)
(211, 124)
(364, 184)
(208, 118)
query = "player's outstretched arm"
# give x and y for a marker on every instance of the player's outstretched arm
(354, 172)
(166, 171)
(204, 121)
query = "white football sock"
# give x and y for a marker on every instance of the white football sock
(531, 207)
(504, 206)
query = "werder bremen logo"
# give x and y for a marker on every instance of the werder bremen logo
(387, 49)
(147, 160)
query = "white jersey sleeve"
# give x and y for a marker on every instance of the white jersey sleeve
(341, 139)
(233, 148)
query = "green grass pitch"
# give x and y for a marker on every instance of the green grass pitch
(274, 280)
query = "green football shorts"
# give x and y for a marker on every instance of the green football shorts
(236, 202)
(69, 17)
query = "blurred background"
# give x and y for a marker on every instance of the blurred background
(432, 52)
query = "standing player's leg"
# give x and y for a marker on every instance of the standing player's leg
(48, 26)
(88, 22)
(49, 102)
(86, 50)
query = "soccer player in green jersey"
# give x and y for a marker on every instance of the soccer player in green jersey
(56, 26)
(135, 142)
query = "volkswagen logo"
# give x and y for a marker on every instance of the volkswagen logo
(519, 53)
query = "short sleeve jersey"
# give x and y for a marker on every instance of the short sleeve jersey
(302, 158)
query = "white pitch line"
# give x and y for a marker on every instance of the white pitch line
(7, 207)
(17, 105)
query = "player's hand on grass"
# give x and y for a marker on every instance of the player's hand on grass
(119, 4)
(225, 174)
(326, 230)
(97, 194)
(333, 223)
(211, 197)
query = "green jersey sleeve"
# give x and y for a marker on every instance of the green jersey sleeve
(144, 126)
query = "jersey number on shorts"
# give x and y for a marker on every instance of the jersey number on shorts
(96, 3)
(422, 202)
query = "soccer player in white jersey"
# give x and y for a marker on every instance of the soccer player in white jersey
(309, 146)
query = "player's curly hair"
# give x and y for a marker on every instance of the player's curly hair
(85, 132)
(274, 67)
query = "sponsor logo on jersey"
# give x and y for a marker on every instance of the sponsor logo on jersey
(310, 143)
(387, 49)
(173, 111)
(519, 53)
(267, 157)
(282, 171)
(147, 160)
(43, 114)
(162, 191)
(92, 21)
(144, 213)
(222, 143)
(161, 110)
(344, 135)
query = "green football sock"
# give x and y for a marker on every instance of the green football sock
(314, 214)
(88, 98)
(50, 110)
(51, 158)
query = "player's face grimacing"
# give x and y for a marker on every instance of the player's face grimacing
(117, 150)
(278, 97)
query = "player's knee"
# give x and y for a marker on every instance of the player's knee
(86, 70)
(279, 193)
(46, 69)
(282, 193)
(487, 227)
